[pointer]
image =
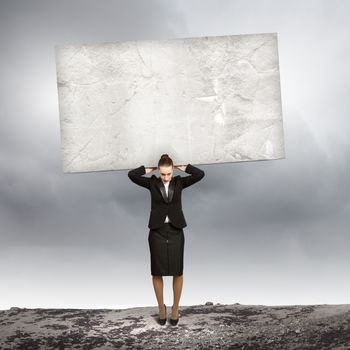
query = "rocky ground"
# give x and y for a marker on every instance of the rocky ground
(200, 327)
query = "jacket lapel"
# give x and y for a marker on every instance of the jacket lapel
(171, 189)
(161, 187)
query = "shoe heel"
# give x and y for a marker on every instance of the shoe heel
(162, 321)
(174, 322)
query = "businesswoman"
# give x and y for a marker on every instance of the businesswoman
(166, 237)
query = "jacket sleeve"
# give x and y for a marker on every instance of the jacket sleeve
(196, 175)
(135, 175)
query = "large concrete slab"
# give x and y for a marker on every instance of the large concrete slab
(201, 100)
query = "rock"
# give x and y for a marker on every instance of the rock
(199, 327)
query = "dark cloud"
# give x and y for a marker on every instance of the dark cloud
(281, 214)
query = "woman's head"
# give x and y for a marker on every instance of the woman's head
(165, 167)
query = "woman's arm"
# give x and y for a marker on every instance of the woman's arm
(181, 167)
(196, 174)
(135, 175)
(149, 170)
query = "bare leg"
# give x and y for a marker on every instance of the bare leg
(177, 288)
(158, 288)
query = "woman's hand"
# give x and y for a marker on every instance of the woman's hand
(149, 170)
(181, 167)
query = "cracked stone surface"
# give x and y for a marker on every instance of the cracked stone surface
(202, 100)
(208, 326)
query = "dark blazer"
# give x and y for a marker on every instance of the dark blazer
(161, 204)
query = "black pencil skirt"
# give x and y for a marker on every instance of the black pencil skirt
(166, 246)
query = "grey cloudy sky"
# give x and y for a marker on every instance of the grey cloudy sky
(264, 232)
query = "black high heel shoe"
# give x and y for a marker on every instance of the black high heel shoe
(162, 320)
(174, 322)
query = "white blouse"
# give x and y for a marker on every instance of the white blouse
(166, 185)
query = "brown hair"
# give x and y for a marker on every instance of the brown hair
(165, 160)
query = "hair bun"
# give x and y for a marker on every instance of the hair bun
(165, 160)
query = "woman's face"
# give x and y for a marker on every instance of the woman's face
(165, 173)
